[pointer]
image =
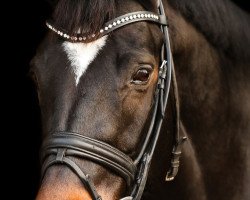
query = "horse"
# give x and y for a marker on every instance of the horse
(132, 90)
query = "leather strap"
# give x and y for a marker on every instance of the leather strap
(109, 26)
(178, 140)
(135, 17)
(91, 149)
(85, 179)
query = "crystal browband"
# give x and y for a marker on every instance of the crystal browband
(110, 26)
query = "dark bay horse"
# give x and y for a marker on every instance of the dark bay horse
(103, 88)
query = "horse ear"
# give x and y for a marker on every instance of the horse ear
(150, 5)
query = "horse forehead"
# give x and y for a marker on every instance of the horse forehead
(81, 55)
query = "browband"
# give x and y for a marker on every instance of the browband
(109, 26)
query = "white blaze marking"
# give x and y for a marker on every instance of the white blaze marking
(81, 55)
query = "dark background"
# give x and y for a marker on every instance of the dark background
(23, 28)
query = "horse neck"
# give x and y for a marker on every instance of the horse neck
(215, 110)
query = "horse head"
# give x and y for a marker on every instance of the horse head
(99, 83)
(103, 77)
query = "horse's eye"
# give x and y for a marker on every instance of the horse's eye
(141, 76)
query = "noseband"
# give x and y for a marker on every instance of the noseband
(60, 145)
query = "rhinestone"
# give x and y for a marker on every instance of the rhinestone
(110, 25)
(114, 24)
(118, 22)
(101, 31)
(93, 35)
(157, 17)
(65, 35)
(134, 16)
(142, 15)
(84, 38)
(139, 16)
(106, 28)
(75, 38)
(146, 15)
(126, 18)
(152, 15)
(123, 20)
(131, 17)
(80, 38)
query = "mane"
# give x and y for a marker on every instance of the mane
(223, 24)
(83, 16)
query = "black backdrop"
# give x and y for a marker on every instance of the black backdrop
(20, 110)
(22, 26)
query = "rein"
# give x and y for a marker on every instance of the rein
(60, 145)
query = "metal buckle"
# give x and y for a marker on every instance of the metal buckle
(175, 162)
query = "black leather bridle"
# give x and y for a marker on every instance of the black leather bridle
(58, 147)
